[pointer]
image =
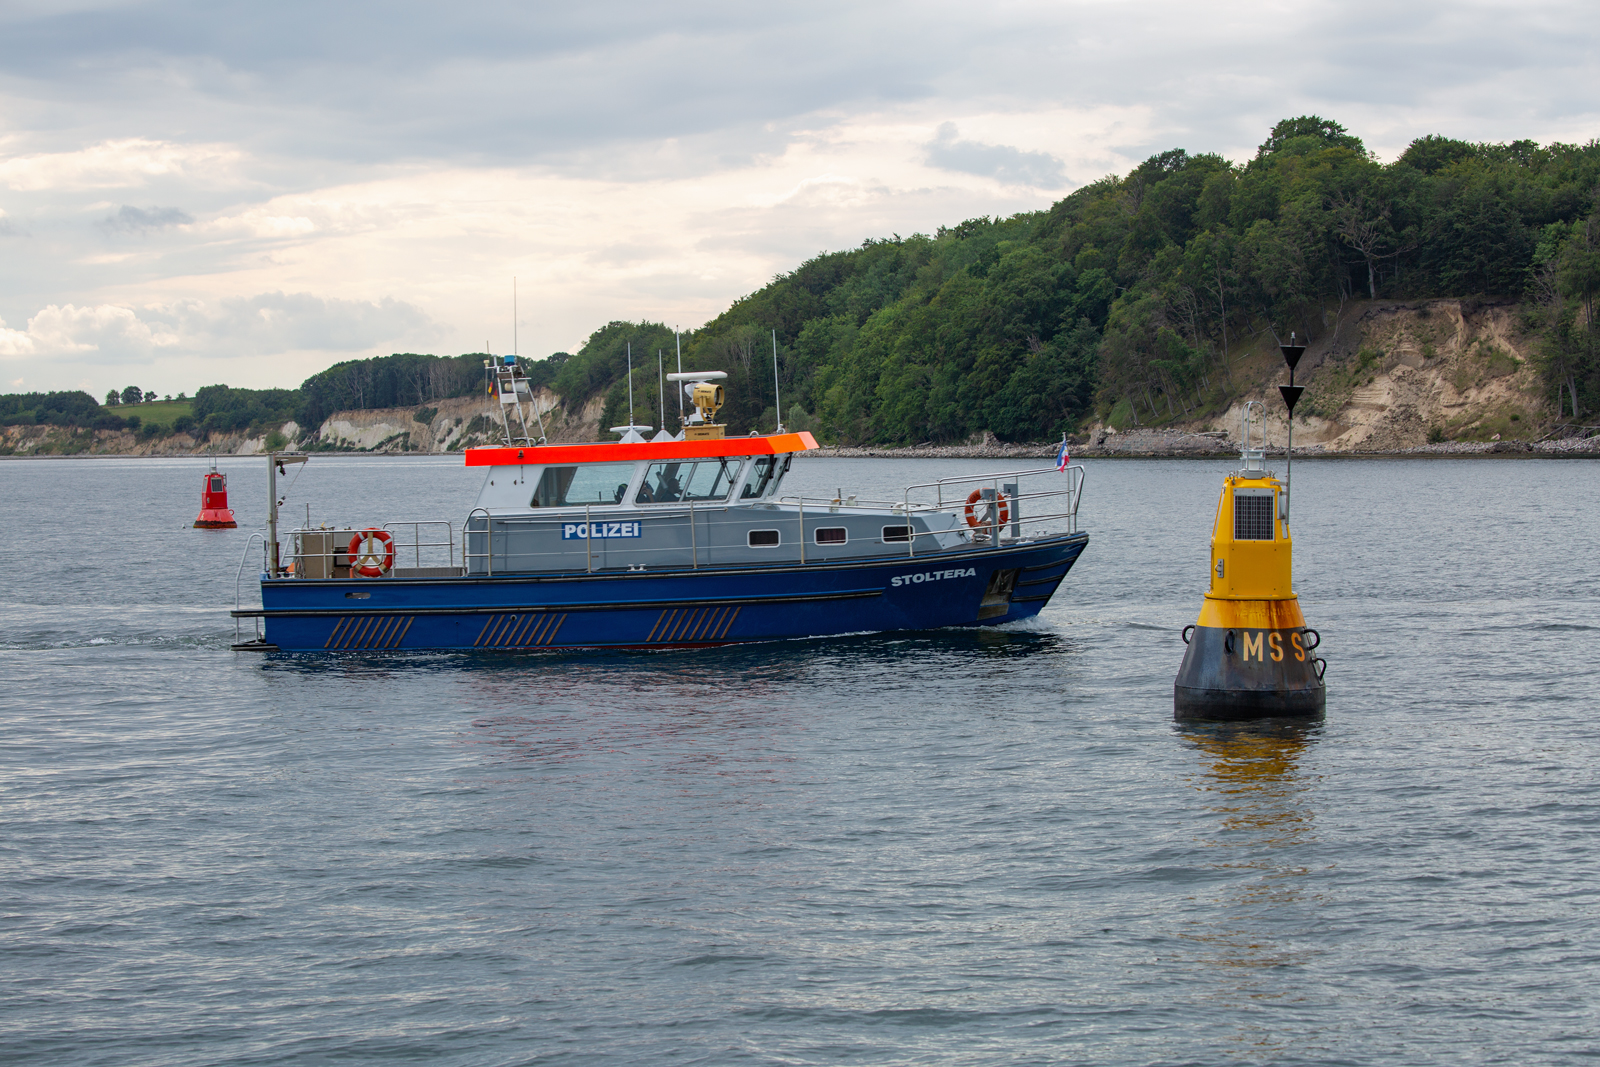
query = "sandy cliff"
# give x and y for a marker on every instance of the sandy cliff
(1393, 375)
(1448, 376)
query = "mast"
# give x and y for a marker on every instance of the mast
(777, 401)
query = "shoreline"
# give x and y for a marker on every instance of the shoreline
(1569, 448)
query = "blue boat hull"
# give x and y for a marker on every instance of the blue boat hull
(663, 609)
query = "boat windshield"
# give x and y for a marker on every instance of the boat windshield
(765, 477)
(591, 483)
(679, 483)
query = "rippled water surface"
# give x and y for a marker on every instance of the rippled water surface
(934, 848)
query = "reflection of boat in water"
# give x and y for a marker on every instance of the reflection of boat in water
(681, 540)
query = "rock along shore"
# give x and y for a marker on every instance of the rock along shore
(1103, 444)
(1180, 444)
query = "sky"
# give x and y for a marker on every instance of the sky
(211, 191)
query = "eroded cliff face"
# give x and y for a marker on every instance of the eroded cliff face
(64, 441)
(1393, 375)
(452, 425)
(444, 426)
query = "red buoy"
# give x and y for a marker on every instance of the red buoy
(214, 511)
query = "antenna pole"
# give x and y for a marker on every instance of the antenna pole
(514, 315)
(777, 401)
(630, 385)
(1291, 396)
(661, 386)
(679, 338)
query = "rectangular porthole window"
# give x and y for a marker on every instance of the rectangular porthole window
(832, 535)
(1252, 514)
(764, 538)
(897, 533)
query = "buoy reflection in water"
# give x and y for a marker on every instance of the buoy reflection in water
(1260, 798)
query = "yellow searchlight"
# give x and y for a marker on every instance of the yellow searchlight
(1250, 654)
(706, 396)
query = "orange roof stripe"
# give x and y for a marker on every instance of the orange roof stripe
(616, 452)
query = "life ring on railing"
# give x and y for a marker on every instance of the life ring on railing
(999, 499)
(368, 560)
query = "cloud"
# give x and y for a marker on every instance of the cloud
(285, 321)
(14, 342)
(266, 324)
(120, 164)
(1007, 165)
(141, 220)
(633, 160)
(574, 85)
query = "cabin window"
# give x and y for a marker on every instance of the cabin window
(764, 538)
(897, 533)
(760, 478)
(832, 535)
(1252, 514)
(589, 483)
(765, 477)
(691, 481)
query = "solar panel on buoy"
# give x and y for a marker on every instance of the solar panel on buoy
(214, 511)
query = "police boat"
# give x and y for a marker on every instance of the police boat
(685, 539)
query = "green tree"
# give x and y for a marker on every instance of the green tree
(1433, 153)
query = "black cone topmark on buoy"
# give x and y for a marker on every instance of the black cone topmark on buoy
(1250, 654)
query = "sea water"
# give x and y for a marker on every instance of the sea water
(952, 847)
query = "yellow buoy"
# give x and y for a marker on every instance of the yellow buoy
(1249, 654)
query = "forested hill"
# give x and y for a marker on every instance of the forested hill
(1134, 299)
(1138, 291)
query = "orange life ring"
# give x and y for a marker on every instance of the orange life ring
(371, 563)
(1000, 501)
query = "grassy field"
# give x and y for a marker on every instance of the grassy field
(161, 413)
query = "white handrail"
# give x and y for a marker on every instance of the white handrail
(239, 577)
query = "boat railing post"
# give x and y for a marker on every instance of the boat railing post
(1077, 495)
(237, 578)
(466, 534)
(588, 543)
(994, 513)
(271, 545)
(694, 545)
(905, 516)
(801, 513)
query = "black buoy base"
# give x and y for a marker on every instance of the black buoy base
(1243, 705)
(1235, 674)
